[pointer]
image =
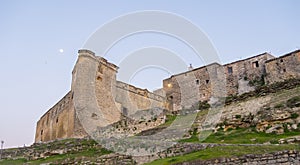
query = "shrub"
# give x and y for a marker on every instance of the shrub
(172, 160)
(203, 105)
(238, 116)
(267, 108)
(285, 127)
(280, 105)
(274, 142)
(258, 81)
(293, 102)
(294, 115)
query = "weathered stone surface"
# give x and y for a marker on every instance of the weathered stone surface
(234, 78)
(284, 67)
(94, 79)
(281, 157)
(110, 98)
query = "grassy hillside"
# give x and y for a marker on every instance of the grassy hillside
(240, 133)
(224, 151)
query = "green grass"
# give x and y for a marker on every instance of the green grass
(192, 139)
(169, 121)
(292, 102)
(171, 118)
(10, 162)
(90, 153)
(242, 136)
(246, 136)
(202, 113)
(224, 151)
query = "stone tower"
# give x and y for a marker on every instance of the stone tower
(93, 85)
(96, 100)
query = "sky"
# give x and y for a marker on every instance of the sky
(39, 41)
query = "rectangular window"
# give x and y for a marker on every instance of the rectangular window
(124, 111)
(230, 70)
(255, 64)
(197, 82)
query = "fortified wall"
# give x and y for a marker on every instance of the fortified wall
(283, 67)
(98, 89)
(111, 98)
(200, 84)
(186, 89)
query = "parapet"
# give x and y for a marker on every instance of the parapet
(91, 54)
(142, 92)
(108, 64)
(85, 51)
(283, 56)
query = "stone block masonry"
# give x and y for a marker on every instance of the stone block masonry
(113, 98)
(240, 77)
(284, 67)
(59, 122)
(280, 157)
(42, 151)
(106, 96)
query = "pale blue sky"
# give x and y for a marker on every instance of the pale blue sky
(35, 75)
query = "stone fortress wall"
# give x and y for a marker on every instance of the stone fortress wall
(133, 99)
(284, 67)
(57, 122)
(241, 76)
(61, 121)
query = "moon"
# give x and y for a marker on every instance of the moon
(61, 50)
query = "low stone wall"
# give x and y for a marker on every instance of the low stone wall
(44, 150)
(102, 160)
(41, 150)
(281, 157)
(69, 146)
(176, 150)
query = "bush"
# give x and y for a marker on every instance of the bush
(267, 108)
(238, 116)
(274, 142)
(285, 127)
(280, 105)
(293, 102)
(258, 81)
(294, 115)
(203, 105)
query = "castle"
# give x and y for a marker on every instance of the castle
(94, 80)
